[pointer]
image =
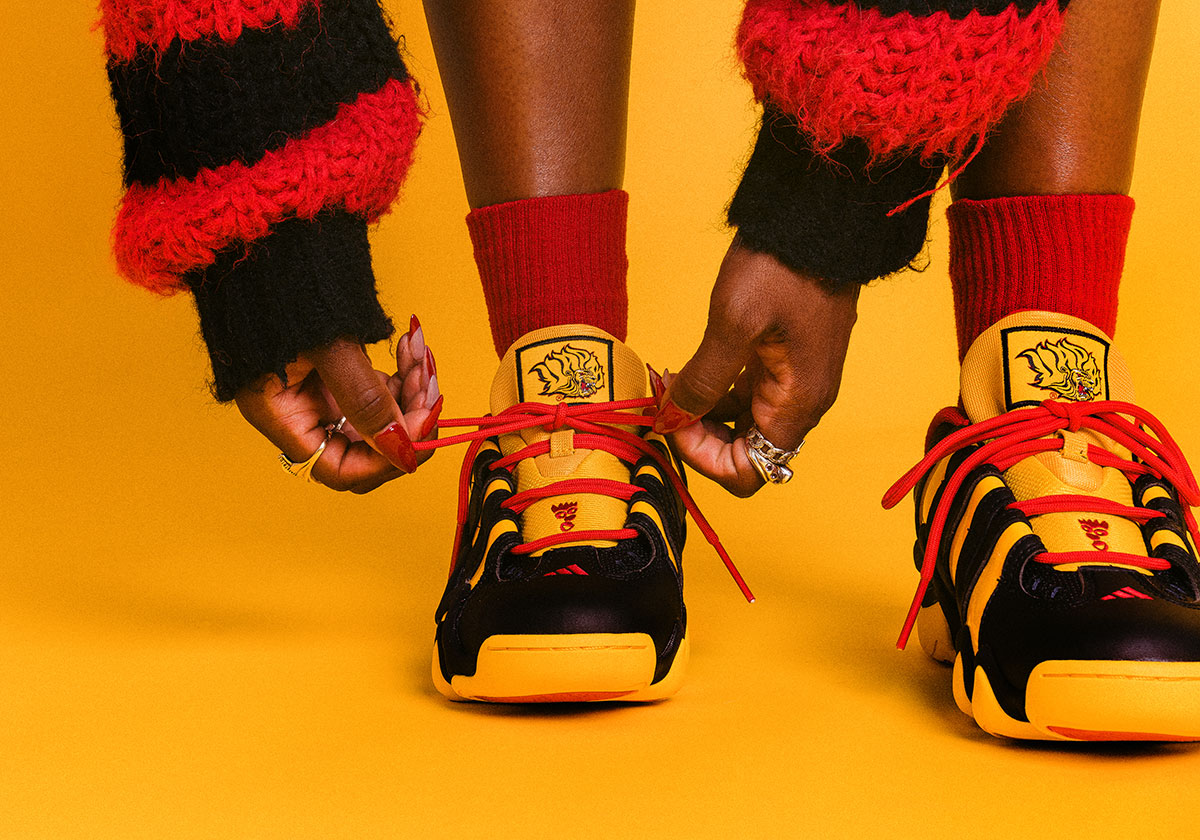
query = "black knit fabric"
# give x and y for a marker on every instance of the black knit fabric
(207, 102)
(957, 9)
(302, 286)
(826, 217)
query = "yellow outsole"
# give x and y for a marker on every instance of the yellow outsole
(1088, 700)
(565, 668)
(1080, 700)
(1116, 701)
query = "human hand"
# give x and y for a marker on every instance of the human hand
(771, 356)
(384, 414)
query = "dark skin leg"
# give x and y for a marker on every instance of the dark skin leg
(538, 93)
(1076, 133)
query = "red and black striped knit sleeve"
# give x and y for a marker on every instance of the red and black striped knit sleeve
(864, 104)
(261, 137)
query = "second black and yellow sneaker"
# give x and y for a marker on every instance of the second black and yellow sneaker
(1056, 544)
(566, 582)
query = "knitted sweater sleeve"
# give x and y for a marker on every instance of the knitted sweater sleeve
(865, 102)
(260, 139)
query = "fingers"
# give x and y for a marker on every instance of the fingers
(779, 338)
(366, 402)
(383, 413)
(294, 418)
(793, 389)
(416, 370)
(415, 384)
(712, 449)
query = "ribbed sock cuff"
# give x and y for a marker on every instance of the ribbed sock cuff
(553, 260)
(1060, 253)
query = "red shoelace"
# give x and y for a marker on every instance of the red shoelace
(596, 427)
(1016, 435)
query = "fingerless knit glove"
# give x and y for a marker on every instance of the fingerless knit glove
(261, 137)
(865, 103)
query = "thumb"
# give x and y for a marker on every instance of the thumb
(704, 380)
(364, 398)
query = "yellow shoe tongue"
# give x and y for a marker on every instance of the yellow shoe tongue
(571, 364)
(1033, 356)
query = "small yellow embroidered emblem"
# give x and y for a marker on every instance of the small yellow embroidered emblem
(569, 373)
(1064, 368)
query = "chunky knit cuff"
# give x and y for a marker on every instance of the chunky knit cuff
(866, 101)
(820, 214)
(248, 125)
(303, 285)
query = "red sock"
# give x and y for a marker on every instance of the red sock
(1060, 253)
(553, 260)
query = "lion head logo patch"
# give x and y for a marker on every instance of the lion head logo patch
(1064, 368)
(569, 373)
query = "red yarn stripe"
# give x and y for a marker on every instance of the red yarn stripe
(902, 82)
(357, 160)
(130, 24)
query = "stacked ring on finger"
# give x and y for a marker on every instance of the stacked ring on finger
(304, 469)
(770, 461)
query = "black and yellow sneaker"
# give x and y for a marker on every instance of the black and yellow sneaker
(566, 582)
(1056, 544)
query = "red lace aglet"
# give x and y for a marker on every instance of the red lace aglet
(910, 622)
(914, 608)
(737, 577)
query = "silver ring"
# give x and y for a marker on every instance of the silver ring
(303, 469)
(770, 461)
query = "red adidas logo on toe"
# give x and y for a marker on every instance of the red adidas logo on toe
(568, 570)
(1127, 592)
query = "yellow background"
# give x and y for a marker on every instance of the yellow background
(193, 645)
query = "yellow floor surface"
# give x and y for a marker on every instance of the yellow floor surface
(193, 645)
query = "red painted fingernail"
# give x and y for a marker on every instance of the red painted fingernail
(672, 418)
(430, 364)
(414, 324)
(397, 447)
(656, 384)
(431, 421)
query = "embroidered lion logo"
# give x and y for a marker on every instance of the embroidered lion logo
(569, 373)
(1064, 368)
